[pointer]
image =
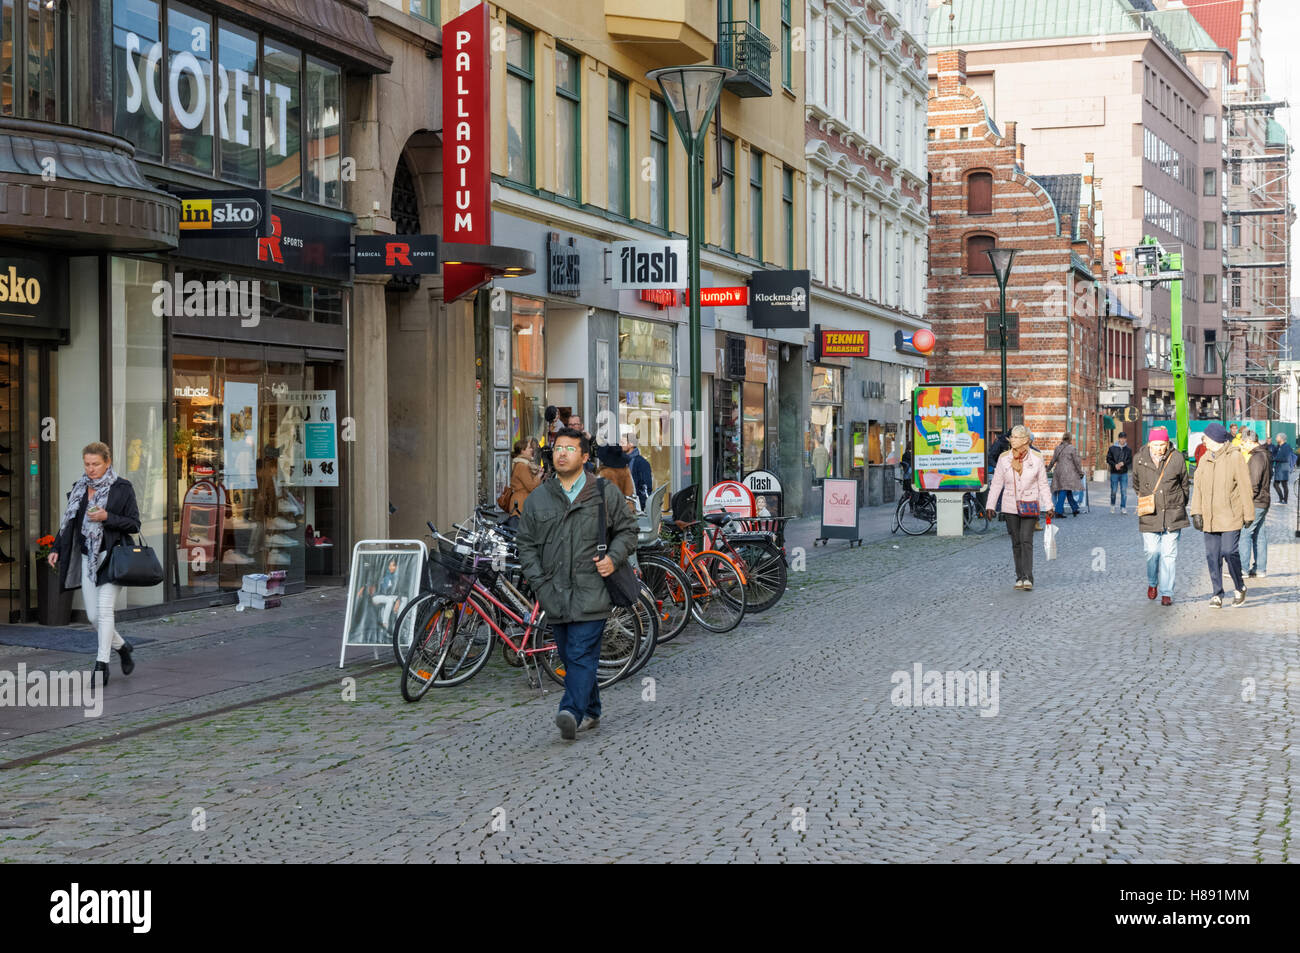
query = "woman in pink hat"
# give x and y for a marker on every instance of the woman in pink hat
(1160, 472)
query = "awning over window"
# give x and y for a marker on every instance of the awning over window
(338, 27)
(1108, 422)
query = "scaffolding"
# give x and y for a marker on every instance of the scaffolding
(1257, 163)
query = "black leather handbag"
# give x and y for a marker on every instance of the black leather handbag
(623, 586)
(134, 564)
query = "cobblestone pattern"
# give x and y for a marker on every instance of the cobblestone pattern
(776, 742)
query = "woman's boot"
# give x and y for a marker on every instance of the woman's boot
(124, 655)
(100, 667)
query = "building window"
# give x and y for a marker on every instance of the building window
(33, 60)
(728, 197)
(323, 100)
(963, 132)
(756, 204)
(787, 69)
(1211, 182)
(618, 146)
(282, 67)
(568, 124)
(977, 259)
(979, 196)
(241, 133)
(1236, 167)
(1211, 128)
(787, 213)
(659, 155)
(1236, 236)
(993, 336)
(189, 125)
(1235, 288)
(1211, 288)
(1211, 230)
(519, 104)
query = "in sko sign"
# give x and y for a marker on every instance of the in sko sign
(649, 265)
(225, 213)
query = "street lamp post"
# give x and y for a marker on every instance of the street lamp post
(1223, 351)
(1002, 259)
(692, 94)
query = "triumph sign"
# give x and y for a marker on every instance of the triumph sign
(779, 299)
(649, 265)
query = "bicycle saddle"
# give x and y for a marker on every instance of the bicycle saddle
(718, 519)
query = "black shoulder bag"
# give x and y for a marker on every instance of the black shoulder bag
(134, 564)
(622, 584)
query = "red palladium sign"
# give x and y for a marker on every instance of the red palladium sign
(709, 297)
(466, 146)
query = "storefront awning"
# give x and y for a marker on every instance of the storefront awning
(1108, 422)
(65, 187)
(341, 27)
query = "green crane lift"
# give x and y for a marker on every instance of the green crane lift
(1154, 266)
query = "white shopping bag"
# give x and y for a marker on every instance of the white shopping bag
(1049, 540)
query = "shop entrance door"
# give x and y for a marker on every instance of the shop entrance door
(24, 458)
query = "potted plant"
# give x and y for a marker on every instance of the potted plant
(1100, 471)
(53, 605)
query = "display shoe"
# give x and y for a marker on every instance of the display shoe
(235, 558)
(280, 541)
(278, 558)
(280, 523)
(5, 559)
(124, 655)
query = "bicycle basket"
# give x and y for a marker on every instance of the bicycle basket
(450, 575)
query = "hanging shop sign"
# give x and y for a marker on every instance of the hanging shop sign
(32, 291)
(224, 213)
(300, 243)
(1113, 398)
(467, 149)
(729, 497)
(563, 272)
(649, 265)
(779, 299)
(842, 343)
(948, 441)
(396, 255)
(724, 297)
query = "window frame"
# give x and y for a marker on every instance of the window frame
(756, 222)
(787, 53)
(982, 175)
(528, 77)
(992, 340)
(664, 140)
(574, 97)
(1210, 287)
(727, 211)
(966, 243)
(787, 208)
(622, 120)
(1210, 182)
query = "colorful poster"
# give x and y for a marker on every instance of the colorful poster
(239, 429)
(948, 438)
(307, 438)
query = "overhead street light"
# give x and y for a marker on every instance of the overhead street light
(1002, 259)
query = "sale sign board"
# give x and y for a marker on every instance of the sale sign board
(949, 437)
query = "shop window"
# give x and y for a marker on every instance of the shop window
(617, 147)
(189, 55)
(659, 153)
(753, 427)
(32, 60)
(528, 350)
(240, 132)
(568, 124)
(137, 75)
(282, 65)
(993, 334)
(979, 200)
(977, 257)
(519, 104)
(324, 137)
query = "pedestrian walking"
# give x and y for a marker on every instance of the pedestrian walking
(101, 512)
(575, 423)
(1283, 461)
(1253, 547)
(1067, 475)
(1160, 485)
(643, 480)
(1119, 460)
(525, 475)
(557, 552)
(1023, 475)
(1222, 503)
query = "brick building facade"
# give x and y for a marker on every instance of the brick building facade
(982, 197)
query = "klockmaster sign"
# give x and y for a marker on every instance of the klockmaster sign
(779, 299)
(649, 265)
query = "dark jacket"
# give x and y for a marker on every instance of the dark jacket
(643, 479)
(1116, 455)
(1171, 494)
(1260, 463)
(123, 520)
(557, 548)
(1283, 460)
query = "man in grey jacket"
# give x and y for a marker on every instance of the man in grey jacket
(557, 540)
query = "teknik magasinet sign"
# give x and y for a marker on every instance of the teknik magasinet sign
(467, 147)
(779, 299)
(649, 265)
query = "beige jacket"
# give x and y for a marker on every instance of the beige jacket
(1221, 492)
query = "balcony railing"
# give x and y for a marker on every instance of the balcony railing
(744, 48)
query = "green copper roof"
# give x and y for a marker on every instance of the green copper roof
(1183, 30)
(1276, 135)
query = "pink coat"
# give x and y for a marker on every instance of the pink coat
(1029, 484)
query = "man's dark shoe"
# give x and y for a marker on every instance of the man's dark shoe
(1251, 574)
(589, 723)
(1238, 596)
(567, 724)
(1216, 602)
(124, 655)
(1151, 592)
(101, 669)
(1166, 600)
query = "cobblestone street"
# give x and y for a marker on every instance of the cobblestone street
(1114, 730)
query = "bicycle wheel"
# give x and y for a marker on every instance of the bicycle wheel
(717, 593)
(765, 573)
(415, 617)
(670, 590)
(648, 617)
(426, 655)
(469, 649)
(916, 516)
(977, 518)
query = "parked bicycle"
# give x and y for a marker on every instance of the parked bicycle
(918, 511)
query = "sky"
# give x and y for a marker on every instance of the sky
(1279, 26)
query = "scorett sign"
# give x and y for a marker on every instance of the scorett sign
(779, 299)
(467, 150)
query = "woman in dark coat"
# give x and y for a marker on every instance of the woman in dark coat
(101, 512)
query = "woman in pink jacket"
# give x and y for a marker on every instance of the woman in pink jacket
(1020, 483)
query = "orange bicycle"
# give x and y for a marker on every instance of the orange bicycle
(717, 580)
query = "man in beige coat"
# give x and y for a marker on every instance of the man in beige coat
(1222, 503)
